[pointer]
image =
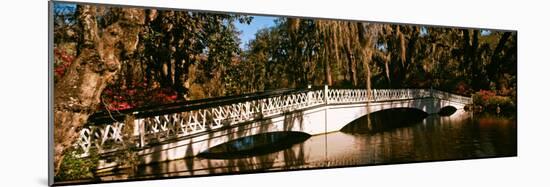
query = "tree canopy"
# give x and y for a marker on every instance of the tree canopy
(184, 55)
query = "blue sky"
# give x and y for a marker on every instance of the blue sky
(249, 30)
(64, 8)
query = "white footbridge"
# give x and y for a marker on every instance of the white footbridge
(184, 130)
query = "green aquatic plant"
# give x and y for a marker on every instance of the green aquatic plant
(75, 167)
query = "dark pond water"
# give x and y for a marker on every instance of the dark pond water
(461, 135)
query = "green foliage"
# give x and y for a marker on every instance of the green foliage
(297, 52)
(491, 101)
(75, 168)
(188, 55)
(127, 156)
(500, 100)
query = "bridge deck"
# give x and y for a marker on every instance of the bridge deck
(152, 126)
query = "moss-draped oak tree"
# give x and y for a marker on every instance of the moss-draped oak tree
(107, 36)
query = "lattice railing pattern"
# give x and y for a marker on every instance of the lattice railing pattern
(337, 96)
(101, 137)
(155, 129)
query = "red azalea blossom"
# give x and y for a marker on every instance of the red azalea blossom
(117, 97)
(62, 61)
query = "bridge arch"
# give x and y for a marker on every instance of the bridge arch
(447, 110)
(339, 116)
(385, 119)
(259, 144)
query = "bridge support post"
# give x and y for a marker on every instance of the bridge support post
(326, 94)
(141, 127)
(308, 97)
(326, 108)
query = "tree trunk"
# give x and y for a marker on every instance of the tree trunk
(368, 59)
(351, 65)
(495, 58)
(466, 49)
(77, 94)
(402, 47)
(353, 71)
(478, 81)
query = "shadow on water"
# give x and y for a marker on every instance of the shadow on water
(385, 120)
(447, 111)
(255, 145)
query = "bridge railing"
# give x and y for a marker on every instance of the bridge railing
(361, 95)
(173, 124)
(451, 97)
(160, 127)
(179, 124)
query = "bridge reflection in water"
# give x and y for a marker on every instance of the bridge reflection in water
(458, 136)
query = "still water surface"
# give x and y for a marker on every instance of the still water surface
(459, 136)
